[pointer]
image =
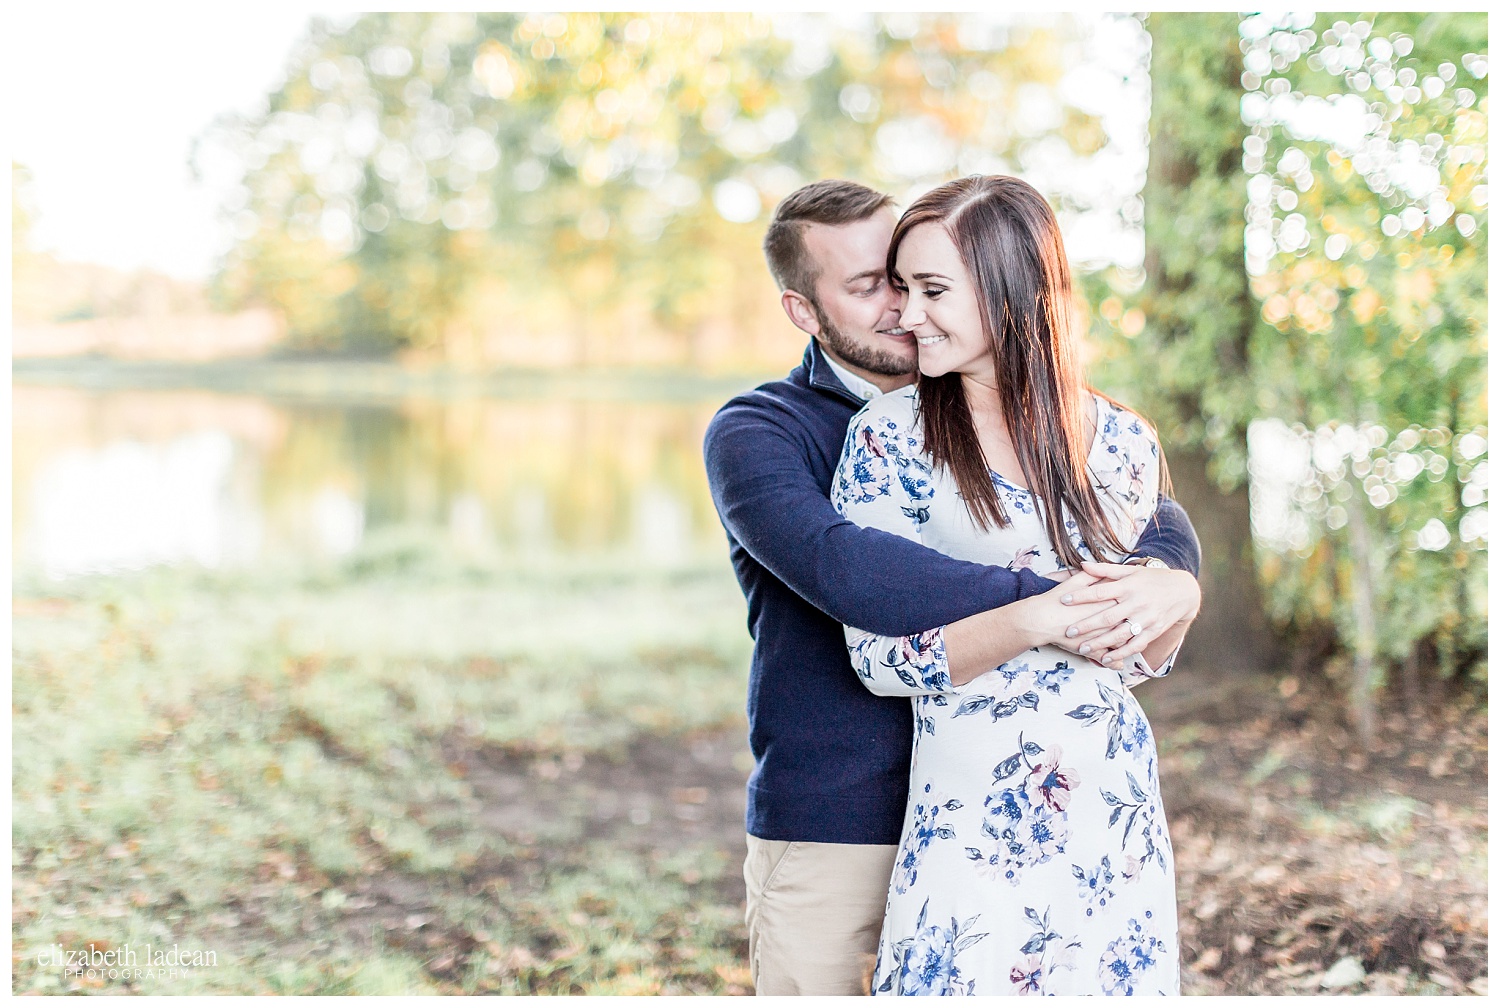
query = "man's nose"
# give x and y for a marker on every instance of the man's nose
(911, 315)
(895, 298)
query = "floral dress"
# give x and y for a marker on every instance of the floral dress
(1035, 858)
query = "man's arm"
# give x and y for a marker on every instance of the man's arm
(769, 501)
(1169, 537)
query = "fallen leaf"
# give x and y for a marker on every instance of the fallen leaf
(1344, 973)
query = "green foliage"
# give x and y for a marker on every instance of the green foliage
(1368, 217)
(1181, 347)
(1334, 347)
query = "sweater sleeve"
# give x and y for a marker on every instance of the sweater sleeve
(880, 484)
(1169, 536)
(770, 501)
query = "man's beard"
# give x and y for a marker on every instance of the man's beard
(873, 360)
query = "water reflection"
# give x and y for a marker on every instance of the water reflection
(129, 504)
(111, 480)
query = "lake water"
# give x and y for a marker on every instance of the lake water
(122, 479)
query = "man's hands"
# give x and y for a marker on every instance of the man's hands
(1156, 600)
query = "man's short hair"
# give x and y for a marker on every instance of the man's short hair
(829, 201)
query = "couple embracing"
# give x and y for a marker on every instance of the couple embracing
(958, 560)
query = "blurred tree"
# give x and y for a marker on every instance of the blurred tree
(1342, 329)
(1366, 243)
(1192, 354)
(421, 176)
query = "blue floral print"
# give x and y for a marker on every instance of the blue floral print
(1044, 954)
(1052, 679)
(878, 453)
(924, 829)
(920, 661)
(1026, 824)
(1126, 726)
(1049, 871)
(1142, 806)
(1133, 959)
(1095, 884)
(1012, 497)
(926, 962)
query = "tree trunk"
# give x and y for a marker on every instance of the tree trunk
(1232, 633)
(1200, 318)
(1362, 690)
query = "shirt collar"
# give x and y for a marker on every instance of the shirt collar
(854, 383)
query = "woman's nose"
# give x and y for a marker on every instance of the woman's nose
(911, 315)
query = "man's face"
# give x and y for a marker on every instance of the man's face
(858, 312)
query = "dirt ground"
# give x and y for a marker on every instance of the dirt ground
(1296, 857)
(1297, 853)
(1302, 867)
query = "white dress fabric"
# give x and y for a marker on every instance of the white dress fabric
(1035, 858)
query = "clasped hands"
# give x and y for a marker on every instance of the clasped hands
(1108, 612)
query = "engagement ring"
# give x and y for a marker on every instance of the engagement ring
(1135, 628)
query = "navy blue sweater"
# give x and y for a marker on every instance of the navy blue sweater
(831, 758)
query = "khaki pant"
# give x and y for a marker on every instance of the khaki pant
(814, 912)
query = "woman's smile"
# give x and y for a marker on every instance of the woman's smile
(940, 306)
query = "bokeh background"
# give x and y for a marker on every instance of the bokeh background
(372, 624)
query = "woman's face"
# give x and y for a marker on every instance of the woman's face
(940, 306)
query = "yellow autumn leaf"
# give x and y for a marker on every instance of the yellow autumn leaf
(1365, 304)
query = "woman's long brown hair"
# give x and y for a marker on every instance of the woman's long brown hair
(1012, 247)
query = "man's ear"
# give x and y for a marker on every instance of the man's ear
(800, 311)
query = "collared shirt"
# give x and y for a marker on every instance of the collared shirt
(853, 382)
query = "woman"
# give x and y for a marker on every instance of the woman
(1036, 856)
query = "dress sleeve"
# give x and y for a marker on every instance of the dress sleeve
(1137, 671)
(881, 482)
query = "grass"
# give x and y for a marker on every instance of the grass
(249, 762)
(410, 772)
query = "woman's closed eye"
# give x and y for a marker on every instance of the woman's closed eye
(933, 293)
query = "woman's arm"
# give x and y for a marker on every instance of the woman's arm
(869, 490)
(990, 639)
(939, 660)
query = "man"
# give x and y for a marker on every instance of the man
(827, 797)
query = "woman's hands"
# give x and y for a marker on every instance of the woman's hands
(1093, 605)
(986, 640)
(1156, 600)
(1046, 619)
